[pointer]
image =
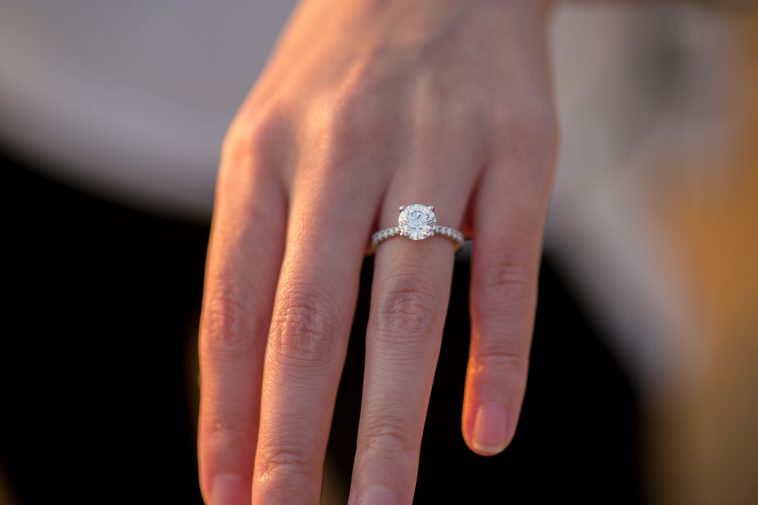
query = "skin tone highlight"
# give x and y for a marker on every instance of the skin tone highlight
(365, 106)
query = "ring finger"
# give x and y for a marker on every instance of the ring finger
(410, 293)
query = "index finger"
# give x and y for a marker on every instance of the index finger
(240, 279)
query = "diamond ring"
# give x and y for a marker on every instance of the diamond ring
(417, 222)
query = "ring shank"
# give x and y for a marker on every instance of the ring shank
(444, 231)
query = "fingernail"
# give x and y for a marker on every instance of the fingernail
(379, 496)
(489, 428)
(228, 489)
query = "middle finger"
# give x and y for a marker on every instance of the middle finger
(410, 294)
(310, 324)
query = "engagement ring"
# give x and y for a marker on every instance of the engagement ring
(417, 222)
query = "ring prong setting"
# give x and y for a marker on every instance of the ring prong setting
(417, 221)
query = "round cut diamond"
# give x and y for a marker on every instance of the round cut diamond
(417, 221)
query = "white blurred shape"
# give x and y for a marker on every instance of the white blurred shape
(131, 98)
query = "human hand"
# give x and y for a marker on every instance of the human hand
(365, 106)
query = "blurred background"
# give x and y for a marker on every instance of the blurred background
(644, 370)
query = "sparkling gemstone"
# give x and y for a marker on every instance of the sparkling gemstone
(417, 221)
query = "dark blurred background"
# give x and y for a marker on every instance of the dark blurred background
(642, 378)
(99, 371)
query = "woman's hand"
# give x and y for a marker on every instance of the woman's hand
(367, 105)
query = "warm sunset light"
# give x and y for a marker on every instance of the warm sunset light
(379, 253)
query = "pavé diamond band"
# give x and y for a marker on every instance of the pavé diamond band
(417, 222)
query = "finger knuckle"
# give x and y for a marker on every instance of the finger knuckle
(303, 327)
(504, 281)
(501, 356)
(532, 116)
(504, 274)
(228, 327)
(528, 132)
(236, 143)
(286, 462)
(257, 132)
(388, 436)
(350, 121)
(227, 427)
(352, 112)
(504, 289)
(540, 124)
(405, 312)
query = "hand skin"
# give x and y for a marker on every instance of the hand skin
(364, 106)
